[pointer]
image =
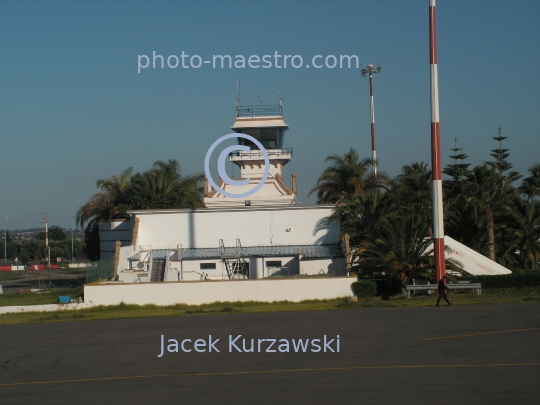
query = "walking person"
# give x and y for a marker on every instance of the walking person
(442, 288)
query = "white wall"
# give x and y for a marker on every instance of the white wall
(43, 308)
(329, 266)
(191, 270)
(253, 226)
(203, 292)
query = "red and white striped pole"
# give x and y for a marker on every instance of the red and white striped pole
(47, 248)
(372, 105)
(436, 167)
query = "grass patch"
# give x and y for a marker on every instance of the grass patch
(11, 275)
(128, 311)
(208, 311)
(57, 317)
(42, 298)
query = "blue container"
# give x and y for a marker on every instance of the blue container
(64, 299)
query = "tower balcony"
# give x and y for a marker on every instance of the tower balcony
(256, 154)
(251, 163)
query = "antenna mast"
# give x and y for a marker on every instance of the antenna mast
(238, 98)
(438, 222)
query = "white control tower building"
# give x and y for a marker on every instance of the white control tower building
(265, 123)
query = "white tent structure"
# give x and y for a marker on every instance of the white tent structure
(472, 262)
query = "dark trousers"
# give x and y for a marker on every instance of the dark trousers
(443, 296)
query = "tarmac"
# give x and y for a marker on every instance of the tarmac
(446, 355)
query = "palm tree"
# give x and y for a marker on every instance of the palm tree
(412, 190)
(488, 192)
(531, 185)
(161, 187)
(400, 249)
(164, 187)
(360, 215)
(104, 204)
(465, 223)
(345, 176)
(525, 234)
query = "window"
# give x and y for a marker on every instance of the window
(207, 266)
(274, 264)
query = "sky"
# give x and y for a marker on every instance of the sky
(75, 107)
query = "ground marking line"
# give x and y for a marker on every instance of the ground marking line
(482, 333)
(299, 370)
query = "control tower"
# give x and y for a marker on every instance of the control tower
(265, 123)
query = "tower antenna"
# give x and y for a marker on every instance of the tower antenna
(238, 98)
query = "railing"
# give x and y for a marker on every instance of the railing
(145, 253)
(178, 249)
(407, 288)
(167, 265)
(258, 110)
(258, 153)
(221, 247)
(238, 248)
(151, 264)
(180, 274)
(329, 273)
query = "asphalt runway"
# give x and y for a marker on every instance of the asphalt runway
(439, 355)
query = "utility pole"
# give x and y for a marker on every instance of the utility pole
(5, 240)
(369, 71)
(436, 168)
(48, 249)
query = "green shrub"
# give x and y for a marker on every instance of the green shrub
(386, 286)
(364, 288)
(517, 279)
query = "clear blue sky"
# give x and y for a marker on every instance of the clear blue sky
(74, 109)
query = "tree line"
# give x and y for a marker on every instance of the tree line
(33, 250)
(389, 219)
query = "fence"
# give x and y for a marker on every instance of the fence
(258, 110)
(99, 270)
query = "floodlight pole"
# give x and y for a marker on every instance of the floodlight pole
(370, 70)
(48, 248)
(72, 258)
(436, 166)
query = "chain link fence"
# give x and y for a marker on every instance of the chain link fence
(102, 269)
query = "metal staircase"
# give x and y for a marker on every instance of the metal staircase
(235, 264)
(158, 270)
